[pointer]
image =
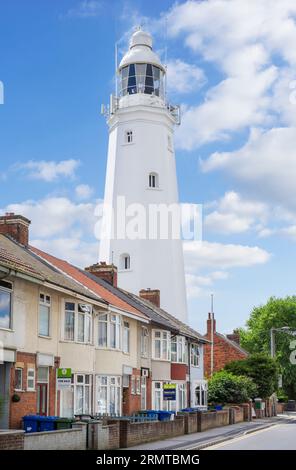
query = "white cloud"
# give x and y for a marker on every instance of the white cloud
(245, 41)
(183, 77)
(197, 285)
(83, 191)
(235, 214)
(85, 9)
(56, 216)
(266, 164)
(201, 255)
(49, 170)
(74, 250)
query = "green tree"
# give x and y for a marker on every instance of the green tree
(255, 338)
(262, 369)
(225, 387)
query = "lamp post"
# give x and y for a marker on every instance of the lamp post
(286, 329)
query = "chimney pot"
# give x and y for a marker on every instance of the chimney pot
(16, 226)
(153, 295)
(107, 272)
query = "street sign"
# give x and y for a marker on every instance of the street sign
(64, 378)
(169, 391)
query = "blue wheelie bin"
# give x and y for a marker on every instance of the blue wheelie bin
(31, 423)
(164, 415)
(47, 423)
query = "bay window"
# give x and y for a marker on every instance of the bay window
(82, 393)
(126, 337)
(109, 331)
(194, 355)
(178, 349)
(161, 345)
(109, 395)
(5, 305)
(144, 341)
(44, 314)
(77, 325)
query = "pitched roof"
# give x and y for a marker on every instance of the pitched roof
(92, 282)
(232, 343)
(18, 258)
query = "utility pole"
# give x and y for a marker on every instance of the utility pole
(212, 334)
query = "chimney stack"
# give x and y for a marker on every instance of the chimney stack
(107, 272)
(16, 226)
(235, 336)
(209, 325)
(153, 295)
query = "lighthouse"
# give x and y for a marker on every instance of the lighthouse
(141, 190)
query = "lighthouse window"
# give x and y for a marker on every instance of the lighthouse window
(153, 180)
(142, 78)
(129, 137)
(125, 262)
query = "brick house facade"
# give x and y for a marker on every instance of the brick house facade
(226, 348)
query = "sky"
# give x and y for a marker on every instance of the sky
(231, 67)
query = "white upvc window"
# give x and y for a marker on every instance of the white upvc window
(144, 341)
(143, 393)
(44, 314)
(133, 385)
(77, 322)
(194, 355)
(157, 396)
(109, 331)
(108, 395)
(178, 349)
(5, 305)
(161, 345)
(82, 394)
(128, 137)
(200, 392)
(126, 337)
(30, 380)
(138, 385)
(181, 396)
(18, 379)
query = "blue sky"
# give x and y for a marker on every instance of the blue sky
(231, 65)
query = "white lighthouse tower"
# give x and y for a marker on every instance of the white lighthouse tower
(141, 175)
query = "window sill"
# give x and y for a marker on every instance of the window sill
(18, 390)
(195, 367)
(125, 270)
(128, 143)
(107, 348)
(153, 189)
(10, 330)
(177, 362)
(162, 360)
(44, 337)
(30, 390)
(70, 341)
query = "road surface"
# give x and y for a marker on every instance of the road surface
(278, 437)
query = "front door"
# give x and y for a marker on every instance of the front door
(42, 399)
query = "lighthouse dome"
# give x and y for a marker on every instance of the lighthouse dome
(140, 70)
(140, 51)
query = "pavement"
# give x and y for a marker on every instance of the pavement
(217, 436)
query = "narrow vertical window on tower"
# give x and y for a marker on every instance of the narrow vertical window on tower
(125, 262)
(128, 137)
(153, 180)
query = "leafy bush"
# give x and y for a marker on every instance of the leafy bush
(259, 367)
(225, 387)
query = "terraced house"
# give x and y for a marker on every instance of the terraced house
(120, 348)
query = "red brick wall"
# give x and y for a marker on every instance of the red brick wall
(28, 400)
(12, 441)
(224, 352)
(178, 371)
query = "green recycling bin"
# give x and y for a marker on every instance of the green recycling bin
(63, 423)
